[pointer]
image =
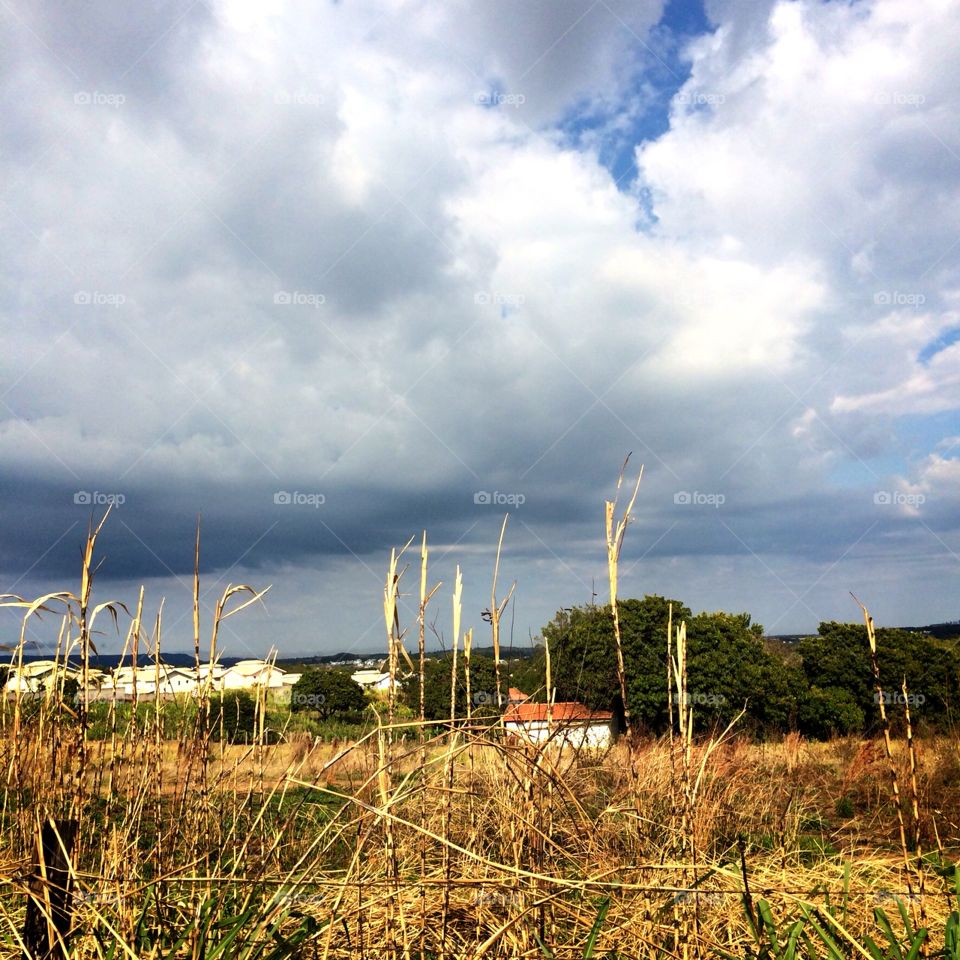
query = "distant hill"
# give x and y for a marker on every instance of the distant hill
(942, 631)
(516, 653)
(109, 661)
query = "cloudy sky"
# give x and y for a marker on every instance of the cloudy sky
(333, 273)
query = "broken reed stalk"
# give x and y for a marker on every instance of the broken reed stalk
(451, 746)
(670, 674)
(885, 723)
(685, 730)
(391, 592)
(915, 809)
(496, 612)
(86, 586)
(615, 531)
(425, 597)
(467, 647)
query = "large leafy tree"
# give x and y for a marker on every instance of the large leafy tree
(483, 687)
(330, 694)
(838, 659)
(732, 669)
(729, 665)
(583, 655)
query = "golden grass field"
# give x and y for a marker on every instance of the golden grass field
(449, 841)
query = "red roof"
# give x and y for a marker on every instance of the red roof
(517, 696)
(572, 712)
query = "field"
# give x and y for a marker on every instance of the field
(485, 849)
(449, 840)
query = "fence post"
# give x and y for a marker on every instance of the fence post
(49, 907)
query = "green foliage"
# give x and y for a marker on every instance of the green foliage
(483, 687)
(823, 686)
(838, 659)
(329, 695)
(177, 718)
(233, 716)
(829, 711)
(729, 666)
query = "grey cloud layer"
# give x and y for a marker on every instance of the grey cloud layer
(299, 257)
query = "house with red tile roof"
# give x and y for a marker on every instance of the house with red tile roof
(569, 723)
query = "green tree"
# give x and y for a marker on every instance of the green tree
(729, 665)
(584, 663)
(838, 658)
(826, 712)
(330, 694)
(233, 716)
(436, 692)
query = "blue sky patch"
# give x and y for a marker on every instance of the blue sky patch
(643, 112)
(944, 340)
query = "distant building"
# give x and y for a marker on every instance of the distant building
(567, 724)
(36, 676)
(371, 679)
(153, 679)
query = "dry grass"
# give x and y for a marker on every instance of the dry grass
(454, 845)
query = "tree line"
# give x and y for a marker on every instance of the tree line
(820, 686)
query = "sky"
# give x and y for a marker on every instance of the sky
(330, 274)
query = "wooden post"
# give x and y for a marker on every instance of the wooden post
(49, 907)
